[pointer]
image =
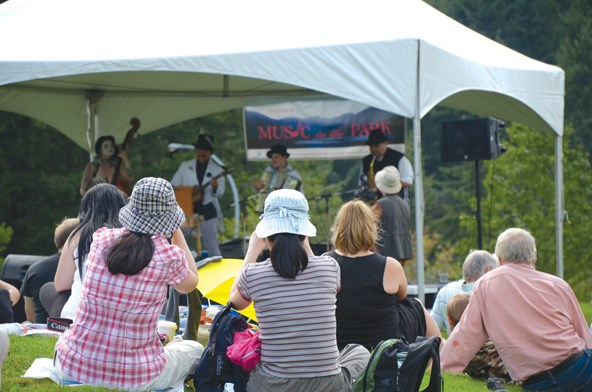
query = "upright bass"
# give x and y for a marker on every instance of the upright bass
(122, 183)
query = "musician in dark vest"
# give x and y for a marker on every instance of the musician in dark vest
(110, 166)
(278, 175)
(207, 175)
(382, 156)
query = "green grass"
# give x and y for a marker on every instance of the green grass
(24, 349)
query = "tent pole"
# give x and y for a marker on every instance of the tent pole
(92, 99)
(419, 206)
(559, 205)
(418, 181)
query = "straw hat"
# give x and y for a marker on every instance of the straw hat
(388, 180)
(286, 211)
(152, 208)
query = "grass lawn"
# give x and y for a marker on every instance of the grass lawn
(24, 349)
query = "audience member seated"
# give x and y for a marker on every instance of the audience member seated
(486, 364)
(476, 264)
(294, 296)
(9, 297)
(372, 304)
(113, 341)
(99, 208)
(4, 346)
(533, 319)
(43, 272)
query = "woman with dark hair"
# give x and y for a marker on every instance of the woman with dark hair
(113, 341)
(111, 166)
(372, 304)
(99, 208)
(294, 295)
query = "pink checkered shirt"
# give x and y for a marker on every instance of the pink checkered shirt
(114, 341)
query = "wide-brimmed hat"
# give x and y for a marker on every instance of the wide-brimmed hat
(286, 211)
(205, 142)
(278, 149)
(376, 137)
(152, 208)
(388, 180)
(100, 142)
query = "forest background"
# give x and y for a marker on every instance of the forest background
(40, 168)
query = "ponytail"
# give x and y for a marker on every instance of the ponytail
(287, 255)
(130, 254)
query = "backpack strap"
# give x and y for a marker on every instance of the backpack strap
(414, 366)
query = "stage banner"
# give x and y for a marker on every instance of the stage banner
(319, 129)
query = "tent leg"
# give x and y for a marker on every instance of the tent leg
(559, 205)
(92, 100)
(419, 206)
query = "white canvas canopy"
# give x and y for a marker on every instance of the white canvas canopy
(86, 68)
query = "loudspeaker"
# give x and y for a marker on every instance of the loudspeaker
(471, 140)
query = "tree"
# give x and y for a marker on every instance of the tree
(523, 195)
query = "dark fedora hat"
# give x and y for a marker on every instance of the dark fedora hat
(376, 137)
(278, 149)
(205, 142)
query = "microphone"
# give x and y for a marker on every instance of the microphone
(364, 180)
(174, 147)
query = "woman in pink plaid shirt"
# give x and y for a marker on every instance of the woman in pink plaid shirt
(114, 341)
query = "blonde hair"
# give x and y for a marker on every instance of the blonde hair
(355, 228)
(456, 307)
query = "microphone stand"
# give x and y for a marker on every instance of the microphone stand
(243, 208)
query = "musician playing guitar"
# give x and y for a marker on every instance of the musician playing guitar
(111, 164)
(205, 176)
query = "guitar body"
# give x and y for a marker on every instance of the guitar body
(197, 191)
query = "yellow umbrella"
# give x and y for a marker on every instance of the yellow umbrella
(215, 281)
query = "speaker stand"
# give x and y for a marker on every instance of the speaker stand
(478, 212)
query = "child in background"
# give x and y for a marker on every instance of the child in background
(487, 363)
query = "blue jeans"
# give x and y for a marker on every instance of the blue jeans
(576, 378)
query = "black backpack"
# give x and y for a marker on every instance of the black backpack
(214, 368)
(384, 373)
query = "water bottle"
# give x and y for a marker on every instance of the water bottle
(229, 387)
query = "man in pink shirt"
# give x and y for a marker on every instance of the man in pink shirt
(533, 319)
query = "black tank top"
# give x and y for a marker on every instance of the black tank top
(365, 313)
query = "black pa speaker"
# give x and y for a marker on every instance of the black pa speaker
(471, 140)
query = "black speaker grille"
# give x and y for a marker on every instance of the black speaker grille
(470, 140)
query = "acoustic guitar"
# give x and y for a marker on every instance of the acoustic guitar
(197, 191)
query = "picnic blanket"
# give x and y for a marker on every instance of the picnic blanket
(43, 368)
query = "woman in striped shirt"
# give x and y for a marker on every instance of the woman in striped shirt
(294, 293)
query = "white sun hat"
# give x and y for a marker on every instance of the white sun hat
(286, 211)
(388, 180)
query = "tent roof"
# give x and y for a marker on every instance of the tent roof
(166, 62)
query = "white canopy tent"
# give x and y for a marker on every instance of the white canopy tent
(86, 68)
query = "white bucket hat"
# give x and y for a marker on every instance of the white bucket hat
(286, 211)
(388, 180)
(152, 208)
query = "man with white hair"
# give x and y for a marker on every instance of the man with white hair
(533, 319)
(477, 264)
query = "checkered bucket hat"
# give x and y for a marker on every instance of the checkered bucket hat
(286, 211)
(152, 208)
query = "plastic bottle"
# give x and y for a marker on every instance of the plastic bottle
(229, 387)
